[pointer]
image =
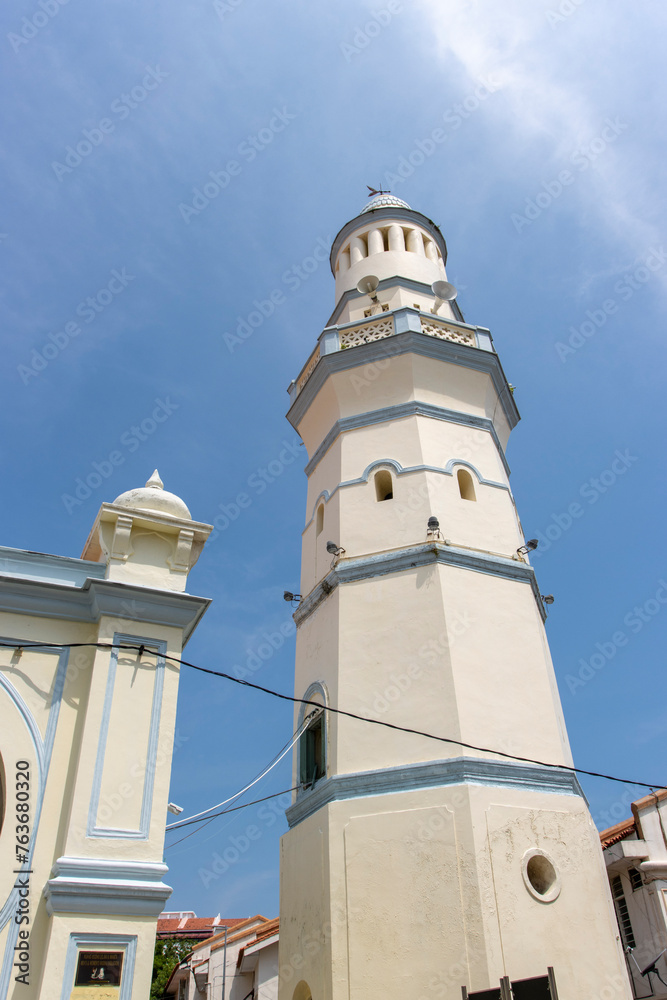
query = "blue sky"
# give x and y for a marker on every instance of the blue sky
(545, 179)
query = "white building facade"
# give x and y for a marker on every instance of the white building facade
(412, 866)
(635, 853)
(240, 963)
(86, 744)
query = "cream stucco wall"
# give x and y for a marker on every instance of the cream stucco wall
(423, 892)
(94, 730)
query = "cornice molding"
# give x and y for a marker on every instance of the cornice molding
(411, 342)
(93, 885)
(411, 557)
(433, 774)
(398, 412)
(95, 598)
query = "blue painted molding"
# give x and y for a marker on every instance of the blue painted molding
(103, 886)
(421, 344)
(127, 943)
(48, 568)
(43, 749)
(397, 280)
(101, 597)
(350, 570)
(93, 830)
(399, 470)
(433, 774)
(398, 412)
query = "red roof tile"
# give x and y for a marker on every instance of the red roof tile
(196, 927)
(616, 833)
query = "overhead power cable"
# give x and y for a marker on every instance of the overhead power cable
(336, 711)
(276, 760)
(224, 812)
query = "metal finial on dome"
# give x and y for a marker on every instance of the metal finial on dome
(155, 482)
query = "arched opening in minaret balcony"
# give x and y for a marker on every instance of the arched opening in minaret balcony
(466, 485)
(384, 486)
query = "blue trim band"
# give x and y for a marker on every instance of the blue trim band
(101, 597)
(433, 774)
(398, 412)
(411, 557)
(400, 471)
(103, 886)
(397, 280)
(410, 342)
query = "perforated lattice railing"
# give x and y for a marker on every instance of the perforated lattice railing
(367, 333)
(444, 331)
(381, 327)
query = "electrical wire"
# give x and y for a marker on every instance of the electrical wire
(276, 760)
(215, 816)
(224, 812)
(336, 711)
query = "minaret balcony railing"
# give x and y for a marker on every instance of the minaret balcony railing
(390, 324)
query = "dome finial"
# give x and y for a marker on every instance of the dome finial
(155, 482)
(153, 497)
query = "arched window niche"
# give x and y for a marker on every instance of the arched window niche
(384, 486)
(319, 520)
(312, 746)
(302, 991)
(466, 485)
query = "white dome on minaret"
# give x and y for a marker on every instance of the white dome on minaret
(384, 200)
(153, 497)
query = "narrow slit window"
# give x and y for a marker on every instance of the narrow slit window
(319, 519)
(312, 763)
(384, 487)
(466, 485)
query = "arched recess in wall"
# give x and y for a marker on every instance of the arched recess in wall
(312, 746)
(319, 519)
(384, 486)
(466, 485)
(302, 991)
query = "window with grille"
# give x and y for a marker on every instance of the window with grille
(622, 914)
(312, 763)
(636, 880)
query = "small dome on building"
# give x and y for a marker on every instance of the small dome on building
(384, 201)
(153, 497)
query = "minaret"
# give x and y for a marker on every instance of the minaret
(412, 866)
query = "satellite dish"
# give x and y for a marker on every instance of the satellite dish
(651, 967)
(444, 291)
(368, 285)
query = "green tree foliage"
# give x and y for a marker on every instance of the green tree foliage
(168, 953)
